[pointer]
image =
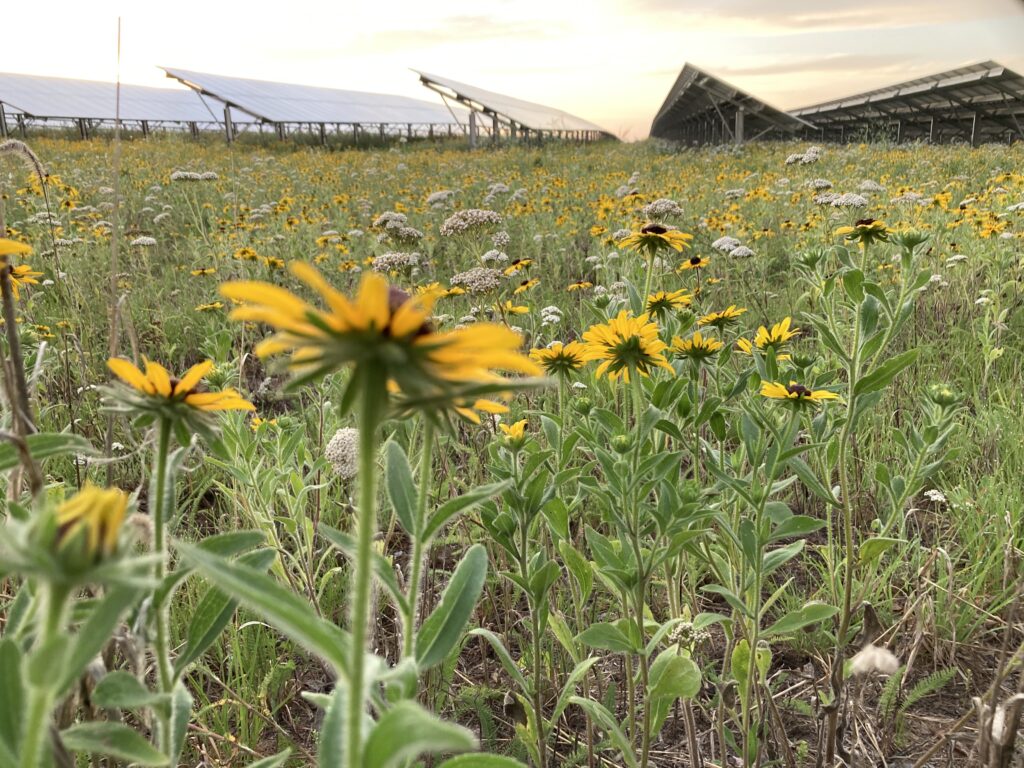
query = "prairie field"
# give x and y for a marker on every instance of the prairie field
(560, 455)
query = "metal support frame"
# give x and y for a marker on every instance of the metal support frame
(229, 126)
(3, 122)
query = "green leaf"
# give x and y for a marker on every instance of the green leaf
(504, 656)
(382, 567)
(607, 637)
(797, 525)
(443, 628)
(278, 605)
(673, 676)
(44, 445)
(481, 761)
(852, 280)
(407, 731)
(462, 503)
(274, 761)
(181, 715)
(113, 739)
(872, 549)
(122, 690)
(332, 747)
(12, 694)
(607, 723)
(95, 632)
(402, 488)
(213, 613)
(885, 373)
(812, 613)
(569, 687)
(579, 567)
(802, 470)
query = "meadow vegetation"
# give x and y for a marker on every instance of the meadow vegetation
(573, 455)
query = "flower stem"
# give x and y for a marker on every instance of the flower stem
(40, 700)
(366, 524)
(419, 545)
(157, 498)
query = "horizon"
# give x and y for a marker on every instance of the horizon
(791, 55)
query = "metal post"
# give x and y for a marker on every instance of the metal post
(472, 129)
(22, 130)
(739, 126)
(381, 128)
(899, 131)
(430, 131)
(931, 131)
(280, 131)
(323, 135)
(974, 129)
(193, 128)
(229, 128)
(408, 130)
(494, 128)
(355, 133)
(145, 127)
(512, 130)
(3, 122)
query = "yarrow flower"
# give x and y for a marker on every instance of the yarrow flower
(560, 359)
(342, 452)
(478, 280)
(626, 344)
(461, 222)
(796, 393)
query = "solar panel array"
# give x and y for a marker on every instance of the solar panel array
(510, 110)
(981, 102)
(288, 103)
(703, 108)
(55, 98)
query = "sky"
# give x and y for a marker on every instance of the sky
(609, 61)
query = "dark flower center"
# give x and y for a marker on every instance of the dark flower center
(798, 389)
(864, 222)
(695, 260)
(396, 298)
(654, 229)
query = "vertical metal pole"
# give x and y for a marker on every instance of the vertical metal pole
(21, 125)
(513, 130)
(931, 131)
(409, 130)
(323, 135)
(3, 122)
(974, 129)
(899, 131)
(355, 133)
(472, 129)
(739, 126)
(430, 131)
(494, 128)
(281, 131)
(381, 129)
(145, 127)
(193, 128)
(229, 128)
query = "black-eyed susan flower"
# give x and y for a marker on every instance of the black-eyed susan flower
(865, 231)
(526, 285)
(626, 344)
(655, 237)
(661, 302)
(772, 338)
(579, 285)
(560, 359)
(694, 262)
(722, 319)
(515, 434)
(697, 347)
(517, 266)
(510, 308)
(13, 248)
(382, 330)
(22, 275)
(156, 392)
(212, 306)
(96, 514)
(246, 254)
(796, 393)
(203, 271)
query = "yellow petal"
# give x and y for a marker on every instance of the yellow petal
(158, 377)
(13, 248)
(193, 376)
(130, 375)
(372, 302)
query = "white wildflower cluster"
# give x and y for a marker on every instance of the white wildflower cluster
(400, 235)
(850, 200)
(390, 220)
(261, 212)
(966, 202)
(726, 244)
(870, 186)
(465, 221)
(620, 234)
(550, 315)
(826, 198)
(742, 252)
(625, 190)
(343, 452)
(873, 659)
(1016, 207)
(355, 233)
(906, 197)
(662, 209)
(955, 259)
(440, 199)
(936, 496)
(520, 196)
(494, 190)
(735, 194)
(501, 239)
(985, 298)
(938, 281)
(105, 190)
(810, 155)
(494, 255)
(398, 260)
(193, 176)
(478, 279)
(819, 184)
(144, 241)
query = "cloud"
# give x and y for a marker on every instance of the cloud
(846, 62)
(455, 30)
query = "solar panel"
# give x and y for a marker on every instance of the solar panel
(61, 98)
(704, 108)
(526, 114)
(288, 103)
(983, 101)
